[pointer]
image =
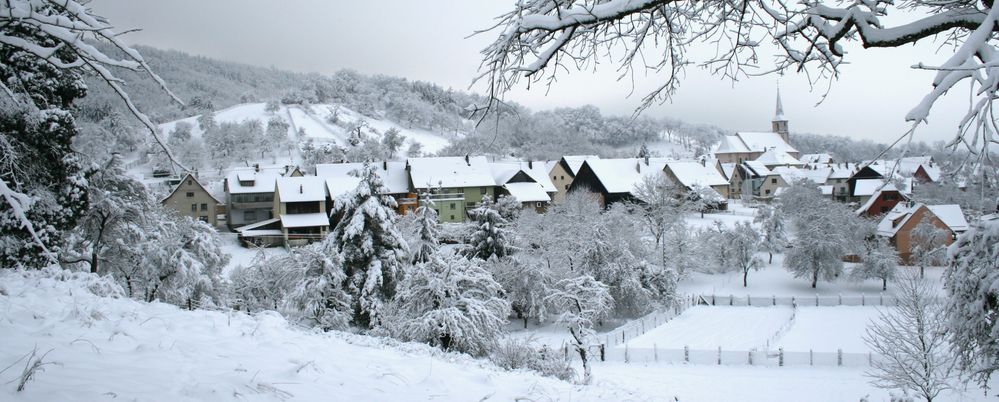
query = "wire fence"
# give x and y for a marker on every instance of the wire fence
(817, 301)
(614, 344)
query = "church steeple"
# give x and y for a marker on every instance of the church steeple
(779, 122)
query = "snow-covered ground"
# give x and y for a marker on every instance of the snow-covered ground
(113, 348)
(102, 348)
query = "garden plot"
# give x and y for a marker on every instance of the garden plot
(743, 328)
(708, 327)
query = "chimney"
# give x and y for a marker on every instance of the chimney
(703, 163)
(384, 165)
(530, 164)
(256, 167)
(646, 160)
(467, 161)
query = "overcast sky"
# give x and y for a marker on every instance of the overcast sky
(426, 40)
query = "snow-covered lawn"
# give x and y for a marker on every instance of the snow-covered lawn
(826, 329)
(242, 256)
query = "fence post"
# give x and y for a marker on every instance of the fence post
(881, 299)
(749, 301)
(627, 359)
(811, 358)
(869, 362)
(862, 300)
(750, 357)
(774, 299)
(655, 352)
(603, 356)
(780, 357)
(622, 336)
(686, 354)
(642, 321)
(816, 300)
(793, 302)
(719, 355)
(731, 299)
(840, 299)
(839, 357)
(712, 299)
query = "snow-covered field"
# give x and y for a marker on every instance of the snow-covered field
(708, 327)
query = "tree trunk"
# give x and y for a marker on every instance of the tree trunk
(745, 276)
(815, 277)
(771, 258)
(884, 284)
(922, 271)
(525, 322)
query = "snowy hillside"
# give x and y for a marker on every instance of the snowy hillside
(313, 120)
(112, 348)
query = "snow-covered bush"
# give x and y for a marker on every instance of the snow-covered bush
(526, 283)
(265, 283)
(320, 298)
(451, 302)
(521, 353)
(508, 207)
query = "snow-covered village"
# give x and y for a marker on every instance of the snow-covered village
(505, 200)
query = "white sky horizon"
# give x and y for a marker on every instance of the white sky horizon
(428, 41)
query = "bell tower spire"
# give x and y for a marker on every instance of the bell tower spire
(780, 122)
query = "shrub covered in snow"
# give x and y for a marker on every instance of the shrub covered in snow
(521, 353)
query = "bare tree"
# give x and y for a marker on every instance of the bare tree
(911, 340)
(540, 39)
(581, 301)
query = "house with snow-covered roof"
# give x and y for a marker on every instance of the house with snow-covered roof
(457, 184)
(300, 205)
(900, 222)
(816, 158)
(340, 179)
(883, 199)
(250, 193)
(773, 158)
(190, 198)
(615, 180)
(746, 179)
(528, 182)
(700, 177)
(564, 170)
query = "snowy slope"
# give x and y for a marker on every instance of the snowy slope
(105, 348)
(313, 120)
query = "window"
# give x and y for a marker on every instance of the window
(554, 177)
(190, 182)
(190, 194)
(566, 186)
(203, 218)
(539, 205)
(250, 216)
(768, 192)
(773, 180)
(452, 217)
(204, 207)
(194, 207)
(563, 177)
(483, 189)
(452, 207)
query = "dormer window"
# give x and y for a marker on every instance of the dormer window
(246, 183)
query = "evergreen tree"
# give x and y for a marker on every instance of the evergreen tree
(490, 237)
(428, 230)
(972, 305)
(42, 186)
(373, 251)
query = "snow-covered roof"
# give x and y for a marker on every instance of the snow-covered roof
(253, 226)
(774, 157)
(527, 192)
(304, 220)
(338, 178)
(451, 172)
(301, 189)
(951, 215)
(867, 187)
(753, 142)
(504, 171)
(826, 190)
(622, 175)
(257, 181)
(693, 174)
(576, 161)
(727, 170)
(757, 167)
(934, 172)
(181, 184)
(842, 170)
(816, 158)
(874, 198)
(792, 174)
